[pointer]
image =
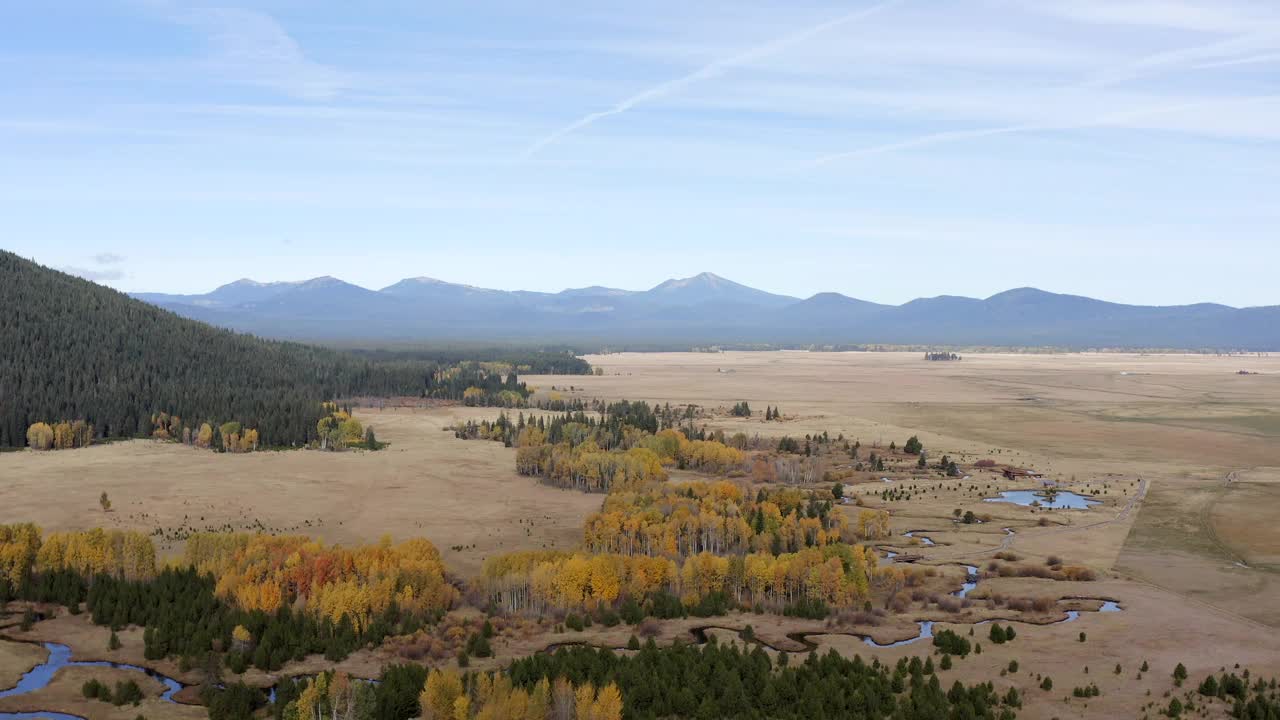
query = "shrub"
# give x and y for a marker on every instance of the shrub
(127, 693)
(630, 611)
(950, 643)
(807, 608)
(649, 628)
(715, 604)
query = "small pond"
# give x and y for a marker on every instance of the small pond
(1061, 500)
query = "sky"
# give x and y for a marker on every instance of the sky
(1122, 149)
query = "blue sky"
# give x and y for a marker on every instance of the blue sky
(1121, 149)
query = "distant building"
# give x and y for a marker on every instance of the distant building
(1012, 473)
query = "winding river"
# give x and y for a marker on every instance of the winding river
(41, 675)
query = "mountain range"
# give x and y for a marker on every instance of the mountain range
(708, 309)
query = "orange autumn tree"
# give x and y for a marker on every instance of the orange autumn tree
(261, 572)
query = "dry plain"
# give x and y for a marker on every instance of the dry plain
(1192, 560)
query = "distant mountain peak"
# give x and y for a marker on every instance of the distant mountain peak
(322, 281)
(416, 285)
(826, 297)
(705, 279)
(708, 306)
(594, 291)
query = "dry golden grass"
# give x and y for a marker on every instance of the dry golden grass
(63, 695)
(16, 659)
(427, 483)
(1181, 423)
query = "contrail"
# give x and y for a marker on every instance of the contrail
(1104, 79)
(710, 70)
(1099, 121)
(922, 141)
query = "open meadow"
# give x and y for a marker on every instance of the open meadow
(1179, 454)
(464, 497)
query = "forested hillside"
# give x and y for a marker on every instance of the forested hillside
(75, 350)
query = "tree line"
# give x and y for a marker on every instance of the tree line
(723, 681)
(255, 599)
(79, 351)
(719, 517)
(618, 447)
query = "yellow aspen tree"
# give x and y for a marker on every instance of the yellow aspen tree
(40, 436)
(439, 694)
(539, 707)
(584, 700)
(608, 704)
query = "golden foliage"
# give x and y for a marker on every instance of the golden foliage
(442, 690)
(19, 545)
(40, 436)
(261, 572)
(122, 553)
(61, 436)
(718, 517)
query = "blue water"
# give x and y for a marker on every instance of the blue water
(926, 631)
(41, 675)
(923, 540)
(1062, 501)
(59, 657)
(970, 582)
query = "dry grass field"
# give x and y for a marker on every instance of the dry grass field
(427, 483)
(1184, 423)
(16, 659)
(1183, 452)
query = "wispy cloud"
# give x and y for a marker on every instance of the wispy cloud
(251, 47)
(708, 71)
(1249, 35)
(1138, 117)
(108, 258)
